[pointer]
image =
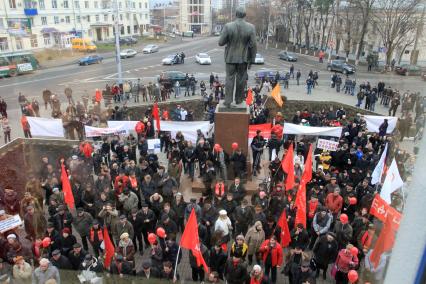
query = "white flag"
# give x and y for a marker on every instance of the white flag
(378, 170)
(392, 182)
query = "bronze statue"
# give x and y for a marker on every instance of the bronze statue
(240, 52)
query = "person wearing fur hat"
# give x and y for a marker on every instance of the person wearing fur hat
(254, 239)
(126, 247)
(257, 276)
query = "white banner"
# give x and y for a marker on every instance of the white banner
(188, 128)
(47, 127)
(290, 128)
(374, 122)
(154, 145)
(327, 145)
(10, 223)
(96, 131)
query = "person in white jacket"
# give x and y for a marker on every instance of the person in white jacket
(223, 226)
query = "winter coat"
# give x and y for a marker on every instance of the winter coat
(343, 233)
(217, 260)
(120, 229)
(276, 253)
(254, 238)
(193, 260)
(40, 277)
(322, 224)
(129, 201)
(325, 252)
(126, 249)
(22, 276)
(235, 274)
(82, 223)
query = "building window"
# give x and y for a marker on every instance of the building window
(140, 5)
(54, 4)
(120, 5)
(66, 6)
(135, 29)
(146, 5)
(96, 5)
(34, 41)
(77, 4)
(122, 30)
(12, 4)
(97, 18)
(41, 4)
(88, 18)
(121, 17)
(146, 16)
(67, 19)
(86, 4)
(78, 18)
(44, 21)
(128, 29)
(127, 16)
(19, 44)
(4, 46)
(56, 19)
(133, 5)
(106, 18)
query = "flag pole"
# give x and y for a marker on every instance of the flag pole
(176, 264)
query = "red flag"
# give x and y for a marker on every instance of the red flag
(384, 241)
(300, 203)
(66, 188)
(190, 240)
(287, 164)
(109, 249)
(156, 116)
(249, 99)
(307, 172)
(285, 232)
(381, 209)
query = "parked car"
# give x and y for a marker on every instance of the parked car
(267, 74)
(91, 59)
(259, 59)
(288, 56)
(150, 48)
(128, 40)
(339, 65)
(172, 59)
(408, 70)
(171, 77)
(126, 53)
(203, 59)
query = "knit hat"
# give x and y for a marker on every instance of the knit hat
(124, 236)
(223, 212)
(66, 230)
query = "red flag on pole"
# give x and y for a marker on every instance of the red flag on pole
(66, 188)
(285, 232)
(384, 241)
(190, 240)
(156, 116)
(249, 99)
(307, 172)
(300, 203)
(287, 164)
(109, 248)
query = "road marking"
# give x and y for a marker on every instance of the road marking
(310, 65)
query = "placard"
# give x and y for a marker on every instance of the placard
(327, 145)
(10, 223)
(154, 145)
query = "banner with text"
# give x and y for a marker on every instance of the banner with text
(96, 131)
(327, 145)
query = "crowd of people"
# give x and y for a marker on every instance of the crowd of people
(119, 185)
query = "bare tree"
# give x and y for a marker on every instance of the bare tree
(364, 9)
(308, 12)
(324, 8)
(396, 21)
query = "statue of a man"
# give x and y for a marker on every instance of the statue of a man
(240, 52)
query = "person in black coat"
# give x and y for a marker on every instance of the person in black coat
(148, 271)
(217, 260)
(299, 237)
(325, 252)
(136, 219)
(76, 256)
(235, 271)
(198, 270)
(239, 163)
(304, 274)
(63, 219)
(167, 272)
(238, 190)
(121, 267)
(66, 241)
(60, 261)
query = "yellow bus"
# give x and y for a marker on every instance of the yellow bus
(83, 44)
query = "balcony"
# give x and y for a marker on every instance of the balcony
(30, 8)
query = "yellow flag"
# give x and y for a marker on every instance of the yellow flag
(276, 94)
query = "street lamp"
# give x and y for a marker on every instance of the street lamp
(117, 45)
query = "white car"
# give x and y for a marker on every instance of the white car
(203, 58)
(151, 48)
(259, 59)
(126, 53)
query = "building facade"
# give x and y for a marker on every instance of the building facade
(31, 24)
(195, 15)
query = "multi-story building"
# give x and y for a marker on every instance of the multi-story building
(195, 15)
(31, 24)
(166, 16)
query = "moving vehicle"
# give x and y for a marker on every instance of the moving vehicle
(408, 70)
(16, 63)
(81, 44)
(171, 77)
(339, 65)
(267, 74)
(91, 59)
(259, 59)
(150, 48)
(127, 53)
(288, 56)
(203, 58)
(172, 59)
(128, 40)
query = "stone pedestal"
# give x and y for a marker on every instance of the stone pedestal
(231, 125)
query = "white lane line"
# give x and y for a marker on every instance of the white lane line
(310, 65)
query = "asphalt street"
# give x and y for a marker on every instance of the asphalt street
(148, 67)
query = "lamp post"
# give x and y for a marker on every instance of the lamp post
(117, 45)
